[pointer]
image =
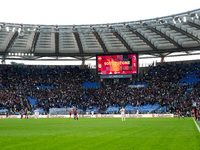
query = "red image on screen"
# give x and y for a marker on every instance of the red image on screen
(117, 64)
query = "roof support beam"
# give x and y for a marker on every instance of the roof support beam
(166, 37)
(83, 62)
(143, 38)
(78, 42)
(9, 46)
(35, 39)
(57, 43)
(193, 24)
(184, 32)
(101, 42)
(162, 59)
(11, 42)
(84, 57)
(123, 41)
(88, 57)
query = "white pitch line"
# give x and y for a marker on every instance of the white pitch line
(197, 125)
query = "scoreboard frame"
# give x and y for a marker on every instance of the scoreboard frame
(121, 75)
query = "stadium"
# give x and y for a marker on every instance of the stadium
(149, 67)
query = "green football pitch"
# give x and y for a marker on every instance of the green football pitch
(99, 133)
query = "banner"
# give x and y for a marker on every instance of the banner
(95, 116)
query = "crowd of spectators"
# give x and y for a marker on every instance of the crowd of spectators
(18, 82)
(164, 80)
(12, 96)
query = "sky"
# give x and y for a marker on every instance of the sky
(76, 12)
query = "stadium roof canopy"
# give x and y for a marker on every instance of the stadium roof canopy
(158, 37)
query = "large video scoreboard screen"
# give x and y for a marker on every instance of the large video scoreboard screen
(117, 64)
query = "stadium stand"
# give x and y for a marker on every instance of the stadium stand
(165, 89)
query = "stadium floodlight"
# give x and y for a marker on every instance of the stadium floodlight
(184, 19)
(56, 28)
(7, 29)
(19, 30)
(124, 25)
(175, 19)
(74, 28)
(38, 28)
(13, 30)
(143, 23)
(179, 20)
(21, 34)
(192, 15)
(160, 21)
(91, 28)
(196, 15)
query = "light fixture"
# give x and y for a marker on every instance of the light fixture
(56, 28)
(91, 27)
(193, 15)
(21, 31)
(160, 21)
(13, 30)
(179, 20)
(38, 28)
(143, 23)
(175, 19)
(74, 28)
(7, 29)
(196, 15)
(184, 19)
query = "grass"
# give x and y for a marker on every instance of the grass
(99, 134)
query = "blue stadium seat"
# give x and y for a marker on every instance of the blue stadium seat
(32, 101)
(91, 85)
